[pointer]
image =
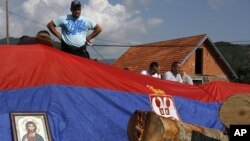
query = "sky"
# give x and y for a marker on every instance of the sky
(131, 22)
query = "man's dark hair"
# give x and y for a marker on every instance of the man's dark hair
(75, 3)
(42, 32)
(23, 37)
(175, 63)
(26, 40)
(153, 64)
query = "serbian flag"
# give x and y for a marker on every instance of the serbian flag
(88, 100)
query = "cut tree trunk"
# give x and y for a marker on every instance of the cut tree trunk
(147, 126)
(235, 110)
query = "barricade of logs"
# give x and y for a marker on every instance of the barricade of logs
(147, 126)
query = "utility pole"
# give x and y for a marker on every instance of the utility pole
(7, 22)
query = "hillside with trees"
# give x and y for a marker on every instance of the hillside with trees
(238, 57)
(12, 41)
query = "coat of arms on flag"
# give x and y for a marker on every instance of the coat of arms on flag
(164, 105)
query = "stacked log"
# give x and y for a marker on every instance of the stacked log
(235, 110)
(147, 126)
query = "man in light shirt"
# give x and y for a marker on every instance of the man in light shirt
(74, 37)
(152, 70)
(174, 73)
(186, 78)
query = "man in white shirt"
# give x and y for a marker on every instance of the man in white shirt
(152, 70)
(174, 74)
(186, 78)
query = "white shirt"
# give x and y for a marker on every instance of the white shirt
(156, 75)
(187, 79)
(169, 76)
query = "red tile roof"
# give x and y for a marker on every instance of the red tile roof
(138, 57)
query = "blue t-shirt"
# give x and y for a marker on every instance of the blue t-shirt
(74, 31)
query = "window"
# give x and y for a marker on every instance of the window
(197, 82)
(198, 61)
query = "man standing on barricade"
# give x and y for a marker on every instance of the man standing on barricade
(74, 27)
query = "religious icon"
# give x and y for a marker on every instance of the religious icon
(30, 126)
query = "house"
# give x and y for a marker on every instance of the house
(199, 57)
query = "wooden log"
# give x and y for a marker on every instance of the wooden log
(235, 110)
(147, 126)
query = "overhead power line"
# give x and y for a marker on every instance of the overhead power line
(23, 17)
(98, 53)
(147, 45)
(26, 18)
(108, 45)
(122, 44)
